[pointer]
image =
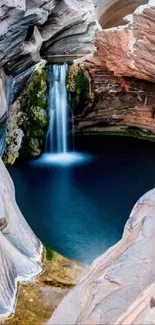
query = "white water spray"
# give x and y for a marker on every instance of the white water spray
(56, 146)
(58, 109)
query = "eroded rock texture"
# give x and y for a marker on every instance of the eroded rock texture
(119, 288)
(24, 25)
(111, 13)
(5, 88)
(20, 250)
(70, 29)
(3, 96)
(129, 50)
(112, 104)
(27, 120)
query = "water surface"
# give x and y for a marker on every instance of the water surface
(80, 209)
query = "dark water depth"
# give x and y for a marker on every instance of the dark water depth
(80, 210)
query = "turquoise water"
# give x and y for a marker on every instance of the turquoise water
(80, 208)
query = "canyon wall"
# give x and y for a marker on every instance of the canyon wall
(20, 250)
(50, 27)
(119, 288)
(29, 31)
(112, 105)
(121, 73)
(129, 50)
(111, 13)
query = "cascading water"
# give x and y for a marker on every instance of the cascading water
(56, 140)
(56, 146)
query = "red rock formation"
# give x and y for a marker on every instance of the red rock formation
(111, 13)
(129, 50)
(118, 105)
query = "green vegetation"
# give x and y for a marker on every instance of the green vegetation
(126, 133)
(27, 120)
(77, 81)
(78, 84)
(49, 252)
(33, 104)
(81, 83)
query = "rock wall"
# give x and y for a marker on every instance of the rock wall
(111, 13)
(112, 105)
(69, 30)
(120, 105)
(63, 26)
(20, 250)
(30, 30)
(5, 91)
(3, 96)
(119, 288)
(129, 50)
(28, 119)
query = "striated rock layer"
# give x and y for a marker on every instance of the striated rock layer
(69, 30)
(3, 97)
(119, 288)
(111, 13)
(64, 26)
(113, 104)
(20, 250)
(129, 50)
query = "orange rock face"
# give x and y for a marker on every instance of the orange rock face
(118, 104)
(129, 50)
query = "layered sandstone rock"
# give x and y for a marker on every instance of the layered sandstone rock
(111, 13)
(129, 50)
(16, 17)
(70, 29)
(119, 288)
(113, 104)
(24, 25)
(31, 29)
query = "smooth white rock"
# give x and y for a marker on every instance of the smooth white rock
(120, 284)
(20, 249)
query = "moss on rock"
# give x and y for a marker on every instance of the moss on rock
(77, 79)
(49, 252)
(79, 84)
(28, 120)
(14, 135)
(33, 104)
(31, 147)
(38, 116)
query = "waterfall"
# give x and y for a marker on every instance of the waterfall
(73, 131)
(56, 140)
(56, 146)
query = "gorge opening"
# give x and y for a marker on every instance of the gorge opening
(74, 200)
